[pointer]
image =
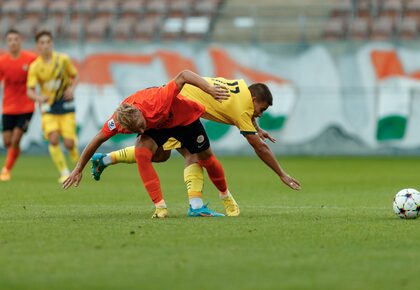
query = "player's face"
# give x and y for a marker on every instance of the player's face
(259, 108)
(13, 42)
(44, 45)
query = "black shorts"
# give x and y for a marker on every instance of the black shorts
(193, 136)
(11, 122)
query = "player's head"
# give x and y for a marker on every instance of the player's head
(261, 97)
(13, 41)
(44, 42)
(130, 118)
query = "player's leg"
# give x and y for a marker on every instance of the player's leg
(20, 126)
(194, 139)
(146, 146)
(100, 161)
(68, 132)
(7, 121)
(192, 161)
(50, 126)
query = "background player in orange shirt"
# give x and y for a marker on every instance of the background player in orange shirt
(158, 114)
(17, 107)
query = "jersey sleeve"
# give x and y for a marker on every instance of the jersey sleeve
(110, 128)
(32, 79)
(69, 66)
(1, 73)
(245, 125)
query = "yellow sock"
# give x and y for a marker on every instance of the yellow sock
(58, 159)
(125, 155)
(74, 154)
(194, 179)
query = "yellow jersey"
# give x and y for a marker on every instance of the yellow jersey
(53, 77)
(237, 110)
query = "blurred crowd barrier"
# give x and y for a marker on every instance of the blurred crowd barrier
(328, 99)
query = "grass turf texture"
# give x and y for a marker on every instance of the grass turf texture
(339, 232)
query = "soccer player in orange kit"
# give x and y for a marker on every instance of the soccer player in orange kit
(158, 114)
(17, 107)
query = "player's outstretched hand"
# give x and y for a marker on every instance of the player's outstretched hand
(264, 135)
(74, 178)
(290, 182)
(219, 93)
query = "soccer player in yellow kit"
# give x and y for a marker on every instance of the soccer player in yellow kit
(57, 78)
(244, 105)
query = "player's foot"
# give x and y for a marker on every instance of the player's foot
(231, 207)
(5, 175)
(98, 165)
(62, 178)
(203, 211)
(160, 212)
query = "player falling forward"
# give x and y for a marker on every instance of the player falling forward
(17, 107)
(158, 114)
(241, 109)
(57, 78)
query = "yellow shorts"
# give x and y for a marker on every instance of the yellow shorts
(172, 143)
(65, 124)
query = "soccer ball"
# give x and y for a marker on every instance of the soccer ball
(407, 203)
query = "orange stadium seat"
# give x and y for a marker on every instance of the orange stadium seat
(335, 29)
(147, 27)
(408, 28)
(359, 29)
(97, 29)
(392, 9)
(382, 28)
(180, 6)
(342, 8)
(123, 29)
(206, 6)
(412, 8)
(132, 9)
(157, 6)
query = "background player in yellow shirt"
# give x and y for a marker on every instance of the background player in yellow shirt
(244, 105)
(56, 77)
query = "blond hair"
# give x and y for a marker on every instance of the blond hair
(127, 116)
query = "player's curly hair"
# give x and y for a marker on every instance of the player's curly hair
(261, 92)
(127, 116)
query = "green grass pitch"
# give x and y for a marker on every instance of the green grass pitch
(338, 232)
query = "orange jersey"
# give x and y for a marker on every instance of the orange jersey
(14, 72)
(161, 107)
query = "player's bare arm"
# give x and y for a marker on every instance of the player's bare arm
(262, 133)
(76, 175)
(266, 155)
(69, 93)
(218, 92)
(36, 97)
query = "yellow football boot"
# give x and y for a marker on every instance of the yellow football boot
(231, 207)
(160, 212)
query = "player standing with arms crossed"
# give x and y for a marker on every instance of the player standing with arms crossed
(17, 107)
(57, 78)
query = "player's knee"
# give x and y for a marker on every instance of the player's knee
(161, 155)
(54, 138)
(68, 143)
(204, 155)
(7, 143)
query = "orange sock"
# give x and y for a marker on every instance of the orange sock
(148, 173)
(12, 155)
(215, 171)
